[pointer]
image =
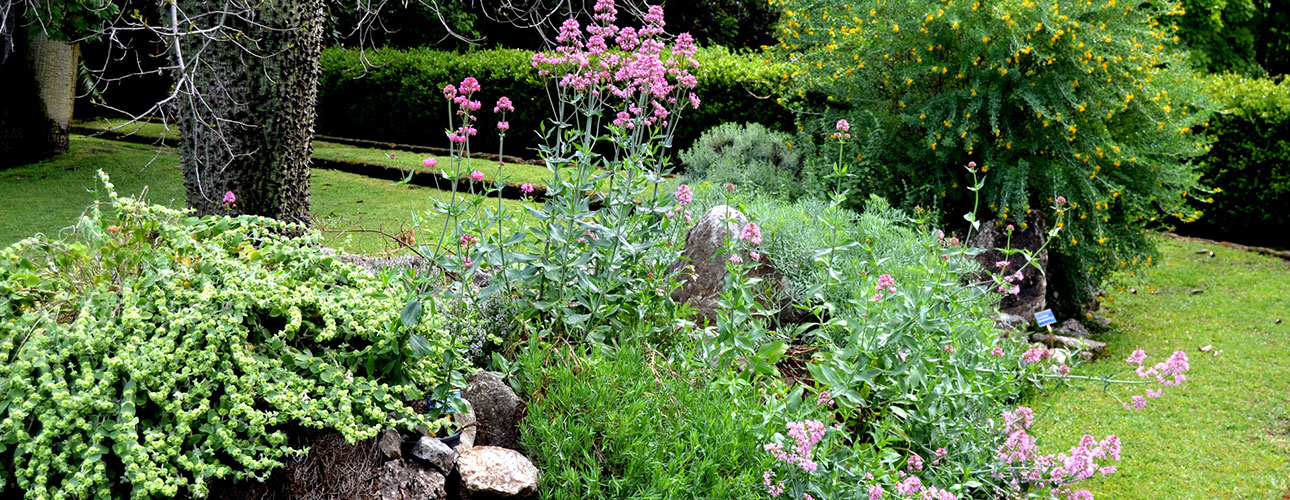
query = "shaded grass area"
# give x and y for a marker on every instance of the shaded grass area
(511, 172)
(1226, 432)
(47, 196)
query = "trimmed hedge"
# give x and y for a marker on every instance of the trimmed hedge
(1249, 163)
(398, 98)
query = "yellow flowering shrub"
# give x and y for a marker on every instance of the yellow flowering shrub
(1087, 99)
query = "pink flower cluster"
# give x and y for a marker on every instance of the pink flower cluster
(526, 188)
(229, 198)
(842, 130)
(461, 96)
(1170, 372)
(1055, 473)
(684, 196)
(649, 83)
(806, 434)
(885, 282)
(467, 240)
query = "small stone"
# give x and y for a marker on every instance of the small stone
(489, 470)
(432, 451)
(1207, 348)
(1197, 291)
(1010, 322)
(1073, 328)
(400, 480)
(391, 444)
(469, 426)
(1103, 321)
(1069, 343)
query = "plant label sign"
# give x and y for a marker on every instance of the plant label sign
(1045, 317)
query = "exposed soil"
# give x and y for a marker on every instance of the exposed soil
(332, 469)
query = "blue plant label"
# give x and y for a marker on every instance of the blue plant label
(1045, 317)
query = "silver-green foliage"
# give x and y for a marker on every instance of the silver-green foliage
(150, 351)
(745, 155)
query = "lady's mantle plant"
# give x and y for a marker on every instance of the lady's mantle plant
(152, 351)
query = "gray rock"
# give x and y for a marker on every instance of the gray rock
(1034, 286)
(1100, 320)
(391, 444)
(468, 424)
(1073, 328)
(500, 472)
(497, 409)
(701, 268)
(400, 480)
(1010, 322)
(433, 452)
(1093, 347)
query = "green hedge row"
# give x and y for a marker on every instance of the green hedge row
(1249, 163)
(398, 96)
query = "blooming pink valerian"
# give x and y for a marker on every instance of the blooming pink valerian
(885, 281)
(503, 126)
(430, 162)
(1035, 355)
(768, 479)
(230, 198)
(823, 399)
(751, 234)
(449, 92)
(503, 104)
(756, 257)
(915, 462)
(683, 195)
(997, 352)
(911, 485)
(1137, 357)
(1061, 200)
(526, 188)
(843, 126)
(876, 492)
(735, 259)
(477, 176)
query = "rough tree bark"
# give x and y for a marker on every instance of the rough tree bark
(37, 91)
(249, 127)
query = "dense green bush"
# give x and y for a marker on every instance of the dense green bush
(399, 98)
(747, 155)
(150, 351)
(1086, 100)
(1245, 36)
(1249, 164)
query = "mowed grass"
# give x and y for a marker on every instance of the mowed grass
(48, 196)
(1225, 433)
(516, 173)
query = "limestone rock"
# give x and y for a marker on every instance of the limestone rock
(701, 269)
(1093, 347)
(492, 471)
(434, 452)
(468, 424)
(497, 410)
(391, 444)
(400, 480)
(1073, 328)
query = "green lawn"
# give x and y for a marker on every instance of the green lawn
(516, 173)
(48, 196)
(1225, 433)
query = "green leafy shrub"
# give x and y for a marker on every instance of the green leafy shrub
(398, 98)
(1249, 164)
(1087, 100)
(150, 351)
(745, 154)
(1244, 36)
(632, 422)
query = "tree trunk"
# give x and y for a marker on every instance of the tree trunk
(247, 124)
(38, 85)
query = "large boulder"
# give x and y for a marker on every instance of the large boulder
(1031, 298)
(402, 480)
(492, 472)
(497, 409)
(701, 269)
